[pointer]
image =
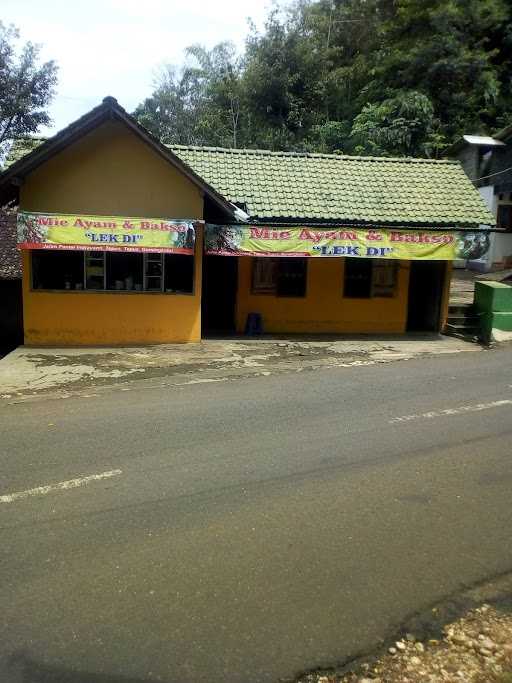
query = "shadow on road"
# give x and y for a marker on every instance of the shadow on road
(21, 668)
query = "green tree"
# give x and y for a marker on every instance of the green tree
(281, 83)
(398, 126)
(364, 76)
(217, 78)
(170, 112)
(26, 88)
(201, 103)
(443, 48)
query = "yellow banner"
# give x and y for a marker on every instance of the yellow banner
(439, 245)
(105, 233)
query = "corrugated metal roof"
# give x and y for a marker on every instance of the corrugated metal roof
(483, 140)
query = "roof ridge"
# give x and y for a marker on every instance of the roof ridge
(307, 155)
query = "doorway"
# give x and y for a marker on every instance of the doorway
(11, 315)
(218, 304)
(426, 284)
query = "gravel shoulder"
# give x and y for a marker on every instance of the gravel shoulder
(475, 647)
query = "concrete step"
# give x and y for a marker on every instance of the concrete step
(472, 317)
(462, 309)
(464, 323)
(461, 327)
(468, 332)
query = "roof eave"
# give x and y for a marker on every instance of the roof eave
(473, 224)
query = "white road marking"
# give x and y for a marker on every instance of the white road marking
(452, 411)
(60, 486)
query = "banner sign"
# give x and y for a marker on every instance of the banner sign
(438, 245)
(105, 233)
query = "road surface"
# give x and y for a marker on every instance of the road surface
(246, 531)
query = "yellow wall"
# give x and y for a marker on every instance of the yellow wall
(323, 309)
(111, 171)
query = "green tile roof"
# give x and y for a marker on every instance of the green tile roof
(284, 186)
(329, 188)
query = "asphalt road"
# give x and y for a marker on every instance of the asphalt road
(248, 530)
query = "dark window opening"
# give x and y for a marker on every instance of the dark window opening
(367, 278)
(57, 269)
(124, 271)
(112, 271)
(291, 279)
(504, 217)
(358, 278)
(179, 273)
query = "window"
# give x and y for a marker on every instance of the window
(153, 272)
(280, 276)
(112, 271)
(264, 275)
(179, 273)
(291, 278)
(384, 277)
(95, 270)
(57, 269)
(367, 278)
(124, 271)
(504, 218)
(358, 278)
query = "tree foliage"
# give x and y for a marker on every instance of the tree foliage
(199, 104)
(26, 88)
(401, 126)
(399, 77)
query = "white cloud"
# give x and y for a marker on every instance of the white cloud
(113, 47)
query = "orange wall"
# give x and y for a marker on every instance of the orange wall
(111, 172)
(323, 309)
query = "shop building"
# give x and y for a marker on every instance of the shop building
(126, 241)
(488, 163)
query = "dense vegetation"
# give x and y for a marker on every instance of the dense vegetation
(385, 77)
(26, 88)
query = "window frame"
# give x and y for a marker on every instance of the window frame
(274, 290)
(148, 258)
(92, 254)
(506, 205)
(88, 255)
(258, 290)
(392, 264)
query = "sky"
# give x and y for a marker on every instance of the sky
(115, 47)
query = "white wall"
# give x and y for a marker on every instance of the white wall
(501, 244)
(489, 197)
